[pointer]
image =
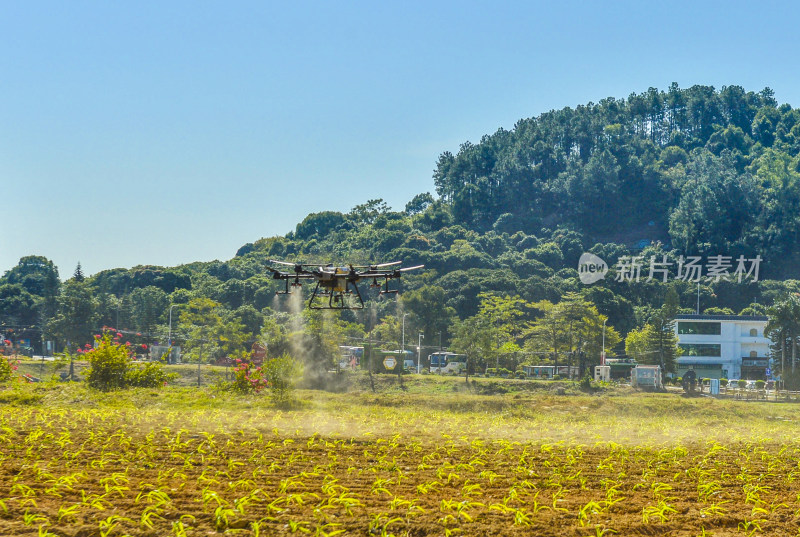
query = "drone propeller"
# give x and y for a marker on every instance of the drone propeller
(375, 267)
(405, 269)
(382, 265)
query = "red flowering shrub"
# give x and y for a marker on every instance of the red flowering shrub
(112, 365)
(108, 360)
(277, 374)
(7, 368)
(248, 378)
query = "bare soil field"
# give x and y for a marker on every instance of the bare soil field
(142, 463)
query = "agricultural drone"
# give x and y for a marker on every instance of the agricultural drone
(338, 284)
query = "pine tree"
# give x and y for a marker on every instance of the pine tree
(661, 340)
(78, 275)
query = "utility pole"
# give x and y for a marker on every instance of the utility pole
(403, 344)
(369, 363)
(169, 333)
(698, 298)
(419, 351)
(603, 355)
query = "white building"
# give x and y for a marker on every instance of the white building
(723, 346)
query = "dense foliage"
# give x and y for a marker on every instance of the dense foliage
(662, 174)
(111, 365)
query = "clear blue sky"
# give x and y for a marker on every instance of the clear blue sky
(170, 132)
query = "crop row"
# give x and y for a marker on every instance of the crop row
(109, 472)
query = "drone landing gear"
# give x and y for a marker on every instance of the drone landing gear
(386, 290)
(295, 283)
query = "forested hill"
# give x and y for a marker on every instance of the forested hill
(708, 170)
(699, 170)
(664, 173)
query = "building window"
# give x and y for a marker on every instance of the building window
(706, 329)
(753, 332)
(701, 349)
(753, 354)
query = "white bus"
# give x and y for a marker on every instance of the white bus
(447, 363)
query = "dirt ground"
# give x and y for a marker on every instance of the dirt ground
(103, 472)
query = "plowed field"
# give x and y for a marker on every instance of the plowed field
(150, 471)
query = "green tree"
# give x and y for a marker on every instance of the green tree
(504, 316)
(572, 329)
(661, 342)
(318, 224)
(547, 336)
(495, 332)
(316, 346)
(475, 338)
(366, 213)
(199, 322)
(78, 274)
(75, 317)
(636, 344)
(39, 277)
(779, 218)
(784, 325)
(109, 310)
(231, 339)
(428, 312)
(148, 307)
(275, 334)
(717, 206)
(419, 203)
(37, 274)
(17, 306)
(389, 332)
(111, 368)
(250, 318)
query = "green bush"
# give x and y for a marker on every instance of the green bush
(742, 383)
(760, 384)
(723, 382)
(586, 383)
(149, 375)
(281, 374)
(111, 366)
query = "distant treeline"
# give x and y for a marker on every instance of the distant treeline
(685, 172)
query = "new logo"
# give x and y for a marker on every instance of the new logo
(591, 268)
